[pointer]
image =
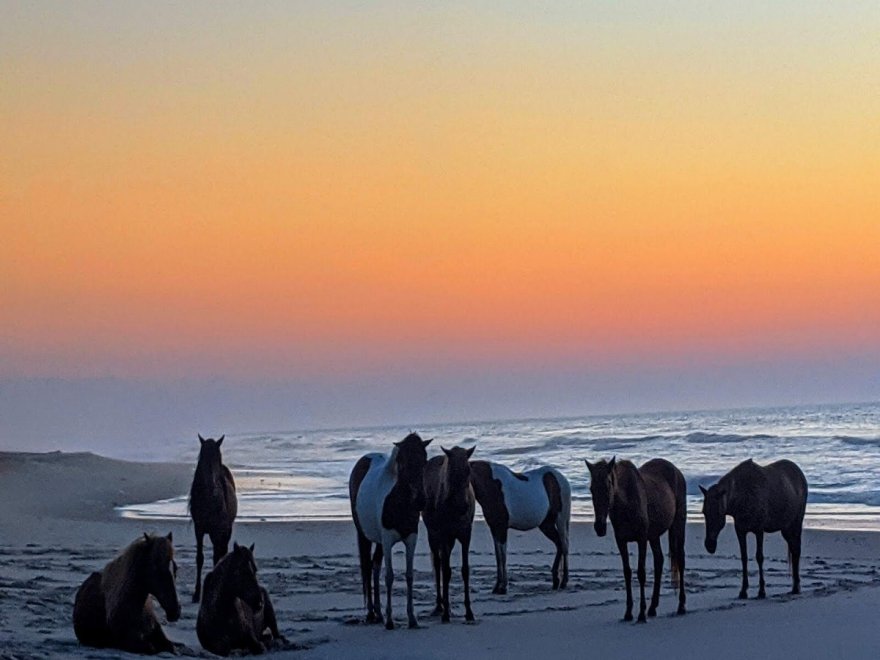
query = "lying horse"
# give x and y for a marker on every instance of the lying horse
(537, 498)
(113, 607)
(235, 610)
(643, 504)
(212, 505)
(449, 517)
(760, 499)
(387, 496)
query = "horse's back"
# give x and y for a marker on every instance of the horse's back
(787, 494)
(665, 492)
(89, 613)
(525, 495)
(659, 471)
(369, 495)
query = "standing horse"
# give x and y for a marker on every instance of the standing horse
(235, 609)
(449, 517)
(212, 504)
(522, 501)
(760, 499)
(113, 607)
(387, 495)
(643, 504)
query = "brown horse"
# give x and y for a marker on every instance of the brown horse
(760, 499)
(449, 517)
(212, 505)
(235, 610)
(113, 607)
(643, 504)
(387, 494)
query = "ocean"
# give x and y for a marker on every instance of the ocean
(303, 475)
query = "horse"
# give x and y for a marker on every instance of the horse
(643, 504)
(113, 607)
(212, 504)
(510, 500)
(760, 499)
(449, 517)
(387, 495)
(235, 610)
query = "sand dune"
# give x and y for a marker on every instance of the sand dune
(57, 524)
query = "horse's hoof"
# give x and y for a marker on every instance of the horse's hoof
(628, 616)
(413, 625)
(555, 585)
(389, 625)
(652, 612)
(743, 595)
(499, 591)
(642, 618)
(762, 595)
(469, 617)
(681, 610)
(563, 584)
(796, 591)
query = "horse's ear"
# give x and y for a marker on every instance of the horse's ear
(146, 537)
(445, 450)
(252, 548)
(425, 443)
(589, 465)
(612, 462)
(397, 444)
(201, 439)
(220, 441)
(170, 537)
(235, 546)
(703, 490)
(470, 452)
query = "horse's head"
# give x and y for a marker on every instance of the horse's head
(209, 450)
(242, 576)
(602, 484)
(412, 456)
(161, 573)
(458, 473)
(715, 514)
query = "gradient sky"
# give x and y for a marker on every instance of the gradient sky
(349, 192)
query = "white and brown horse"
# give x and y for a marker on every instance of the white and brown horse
(387, 496)
(449, 517)
(537, 498)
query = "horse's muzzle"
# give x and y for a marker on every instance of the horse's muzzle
(711, 546)
(601, 527)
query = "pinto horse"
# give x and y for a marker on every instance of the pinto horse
(760, 499)
(522, 501)
(643, 504)
(387, 496)
(236, 611)
(113, 608)
(212, 505)
(449, 517)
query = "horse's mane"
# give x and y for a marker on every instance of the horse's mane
(116, 578)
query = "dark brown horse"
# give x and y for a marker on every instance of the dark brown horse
(212, 505)
(236, 611)
(760, 500)
(113, 607)
(524, 500)
(449, 517)
(387, 494)
(643, 504)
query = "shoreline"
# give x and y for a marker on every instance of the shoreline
(51, 539)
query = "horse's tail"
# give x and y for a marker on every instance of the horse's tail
(676, 537)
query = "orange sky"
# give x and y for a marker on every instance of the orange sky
(189, 191)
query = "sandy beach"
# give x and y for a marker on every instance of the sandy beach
(58, 523)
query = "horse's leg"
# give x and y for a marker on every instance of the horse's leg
(364, 547)
(500, 560)
(389, 583)
(446, 556)
(564, 536)
(759, 557)
(657, 553)
(437, 564)
(466, 574)
(793, 538)
(680, 557)
(200, 561)
(643, 551)
(220, 542)
(743, 551)
(410, 543)
(548, 527)
(627, 578)
(377, 593)
(269, 619)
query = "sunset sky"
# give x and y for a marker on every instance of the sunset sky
(615, 205)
